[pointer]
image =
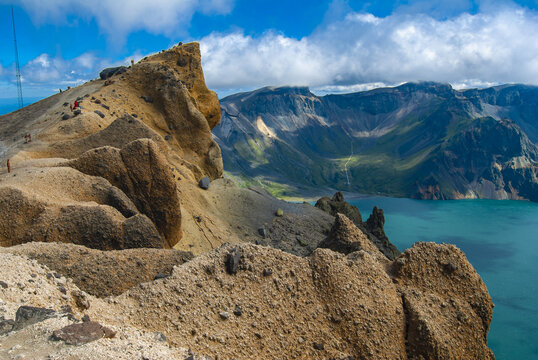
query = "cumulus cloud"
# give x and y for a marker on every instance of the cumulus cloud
(45, 74)
(497, 46)
(118, 18)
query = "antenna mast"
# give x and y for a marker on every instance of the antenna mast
(18, 69)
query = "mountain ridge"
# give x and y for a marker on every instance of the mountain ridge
(288, 134)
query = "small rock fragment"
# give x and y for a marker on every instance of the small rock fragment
(279, 212)
(224, 315)
(232, 261)
(267, 272)
(80, 299)
(66, 117)
(160, 276)
(6, 326)
(29, 315)
(238, 311)
(204, 183)
(99, 113)
(82, 333)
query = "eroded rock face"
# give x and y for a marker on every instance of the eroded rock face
(449, 308)
(375, 225)
(141, 172)
(329, 305)
(64, 205)
(119, 133)
(356, 284)
(175, 82)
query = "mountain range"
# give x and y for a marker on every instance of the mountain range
(423, 140)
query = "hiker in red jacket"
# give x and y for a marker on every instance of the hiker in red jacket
(76, 105)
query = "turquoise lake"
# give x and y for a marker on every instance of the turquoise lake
(500, 239)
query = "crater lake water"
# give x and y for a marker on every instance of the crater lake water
(500, 239)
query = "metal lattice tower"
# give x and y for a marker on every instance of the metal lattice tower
(17, 67)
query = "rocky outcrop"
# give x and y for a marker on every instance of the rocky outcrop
(346, 238)
(64, 205)
(338, 205)
(175, 82)
(143, 174)
(375, 225)
(137, 134)
(109, 72)
(447, 304)
(373, 228)
(118, 134)
(329, 305)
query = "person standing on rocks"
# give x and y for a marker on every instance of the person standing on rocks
(8, 166)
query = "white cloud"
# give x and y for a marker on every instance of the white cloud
(491, 47)
(118, 18)
(45, 74)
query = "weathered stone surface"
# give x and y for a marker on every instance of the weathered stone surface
(119, 133)
(190, 109)
(6, 325)
(141, 172)
(82, 333)
(449, 308)
(232, 261)
(374, 328)
(41, 206)
(337, 205)
(373, 227)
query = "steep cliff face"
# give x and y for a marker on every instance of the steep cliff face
(391, 141)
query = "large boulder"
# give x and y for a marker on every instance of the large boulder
(142, 172)
(109, 72)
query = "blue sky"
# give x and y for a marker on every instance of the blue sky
(331, 46)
